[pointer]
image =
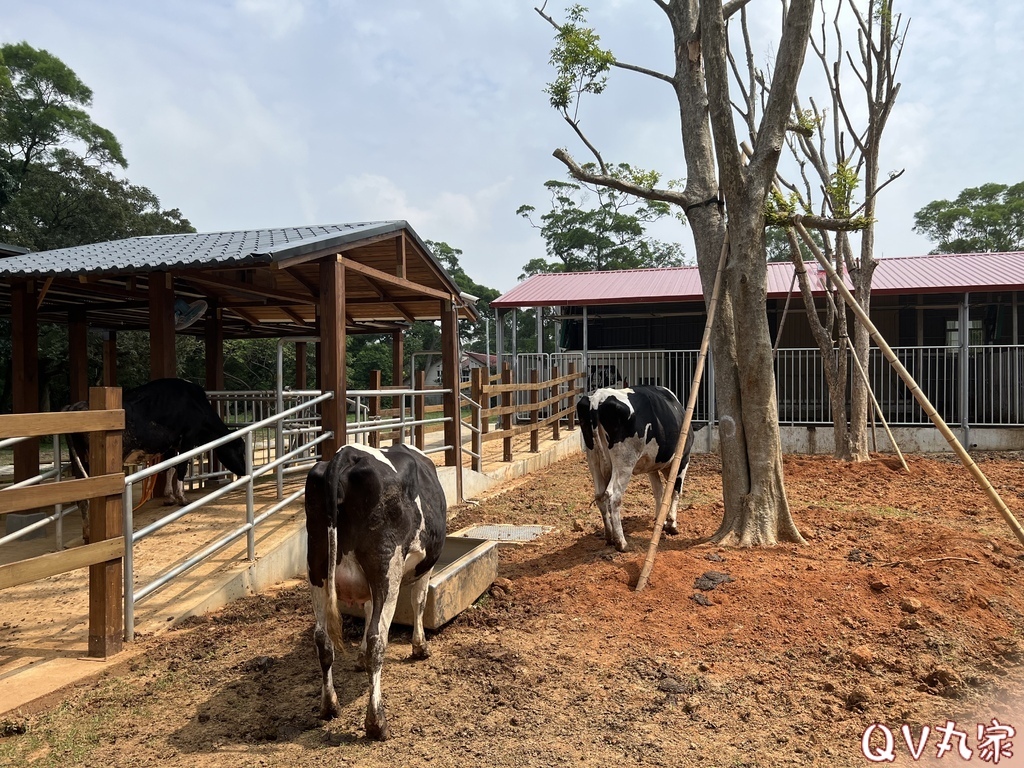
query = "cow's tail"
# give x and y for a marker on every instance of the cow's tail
(76, 458)
(321, 505)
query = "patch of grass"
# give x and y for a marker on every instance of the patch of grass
(894, 513)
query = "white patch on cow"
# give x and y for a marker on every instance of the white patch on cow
(320, 606)
(616, 394)
(412, 447)
(395, 573)
(377, 454)
(353, 589)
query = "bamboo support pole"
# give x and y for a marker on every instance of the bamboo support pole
(691, 401)
(915, 390)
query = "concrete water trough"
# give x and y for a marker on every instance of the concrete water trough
(466, 568)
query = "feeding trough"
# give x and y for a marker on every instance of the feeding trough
(466, 568)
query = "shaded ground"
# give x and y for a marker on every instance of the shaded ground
(905, 607)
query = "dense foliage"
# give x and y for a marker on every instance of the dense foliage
(981, 219)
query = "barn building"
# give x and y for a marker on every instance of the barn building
(316, 283)
(955, 321)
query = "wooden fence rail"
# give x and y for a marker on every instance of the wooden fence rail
(104, 557)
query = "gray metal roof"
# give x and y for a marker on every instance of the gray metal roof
(165, 252)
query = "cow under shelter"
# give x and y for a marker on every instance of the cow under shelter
(316, 283)
(955, 321)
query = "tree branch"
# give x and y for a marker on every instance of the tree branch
(732, 7)
(605, 180)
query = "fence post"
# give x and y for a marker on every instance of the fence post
(477, 395)
(575, 393)
(534, 436)
(419, 410)
(374, 407)
(506, 417)
(106, 600)
(553, 390)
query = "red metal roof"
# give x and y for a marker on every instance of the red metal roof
(940, 273)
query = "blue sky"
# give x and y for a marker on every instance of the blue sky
(264, 113)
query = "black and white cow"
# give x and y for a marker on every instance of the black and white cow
(374, 520)
(631, 432)
(163, 418)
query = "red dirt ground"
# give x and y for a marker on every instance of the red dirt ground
(905, 607)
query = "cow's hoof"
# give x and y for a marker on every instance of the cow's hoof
(420, 652)
(329, 712)
(621, 546)
(377, 729)
(670, 528)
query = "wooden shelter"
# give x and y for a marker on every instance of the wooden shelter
(327, 281)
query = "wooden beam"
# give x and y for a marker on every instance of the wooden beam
(336, 250)
(65, 492)
(400, 259)
(313, 288)
(42, 294)
(250, 319)
(384, 277)
(58, 422)
(53, 563)
(299, 319)
(237, 286)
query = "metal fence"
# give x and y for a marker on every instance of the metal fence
(989, 388)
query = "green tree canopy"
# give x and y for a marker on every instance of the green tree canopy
(58, 182)
(981, 219)
(613, 235)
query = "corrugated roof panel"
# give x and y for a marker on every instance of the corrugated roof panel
(918, 274)
(212, 249)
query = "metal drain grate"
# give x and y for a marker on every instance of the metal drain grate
(505, 532)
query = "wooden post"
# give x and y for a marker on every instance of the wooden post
(534, 390)
(452, 401)
(398, 358)
(574, 391)
(213, 338)
(110, 358)
(78, 355)
(332, 353)
(554, 390)
(374, 408)
(300, 365)
(419, 411)
(506, 418)
(25, 370)
(162, 360)
(477, 395)
(106, 585)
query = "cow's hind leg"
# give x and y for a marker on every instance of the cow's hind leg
(418, 593)
(385, 598)
(325, 653)
(613, 520)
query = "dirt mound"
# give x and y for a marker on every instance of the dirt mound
(906, 607)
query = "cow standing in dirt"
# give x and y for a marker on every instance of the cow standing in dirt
(374, 520)
(628, 432)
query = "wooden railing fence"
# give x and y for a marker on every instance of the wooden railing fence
(555, 397)
(104, 557)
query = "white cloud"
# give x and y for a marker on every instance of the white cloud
(276, 17)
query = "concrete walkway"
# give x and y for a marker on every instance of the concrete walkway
(44, 625)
